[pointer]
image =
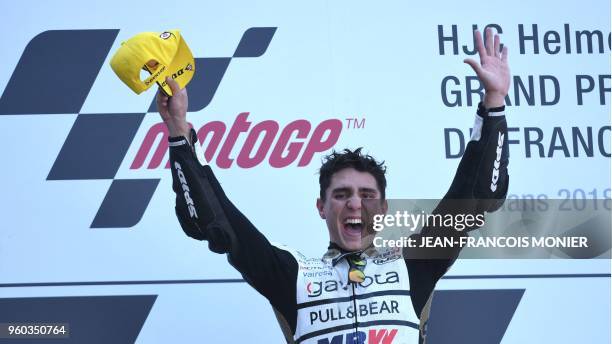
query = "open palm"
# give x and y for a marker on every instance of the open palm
(493, 70)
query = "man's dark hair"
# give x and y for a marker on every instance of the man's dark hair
(337, 161)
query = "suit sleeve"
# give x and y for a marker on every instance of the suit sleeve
(205, 213)
(480, 185)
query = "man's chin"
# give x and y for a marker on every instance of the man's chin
(351, 242)
(356, 245)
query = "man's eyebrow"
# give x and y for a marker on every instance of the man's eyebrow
(368, 190)
(342, 189)
(349, 189)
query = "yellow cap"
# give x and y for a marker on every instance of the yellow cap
(161, 54)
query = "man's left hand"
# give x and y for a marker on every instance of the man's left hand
(493, 70)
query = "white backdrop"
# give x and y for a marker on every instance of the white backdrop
(326, 60)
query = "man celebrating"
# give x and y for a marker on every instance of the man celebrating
(355, 293)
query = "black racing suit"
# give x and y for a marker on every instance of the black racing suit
(205, 213)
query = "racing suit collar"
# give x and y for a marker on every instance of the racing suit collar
(336, 253)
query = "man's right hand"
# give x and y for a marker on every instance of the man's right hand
(173, 110)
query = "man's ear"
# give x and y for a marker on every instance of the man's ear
(385, 206)
(320, 205)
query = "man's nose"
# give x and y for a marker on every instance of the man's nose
(354, 203)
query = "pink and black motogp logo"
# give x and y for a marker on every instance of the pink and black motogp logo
(98, 142)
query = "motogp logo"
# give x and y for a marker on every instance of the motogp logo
(98, 142)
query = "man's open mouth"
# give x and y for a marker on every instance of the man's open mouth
(353, 226)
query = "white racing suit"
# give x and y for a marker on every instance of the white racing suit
(313, 300)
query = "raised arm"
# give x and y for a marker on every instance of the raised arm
(481, 181)
(482, 175)
(205, 213)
